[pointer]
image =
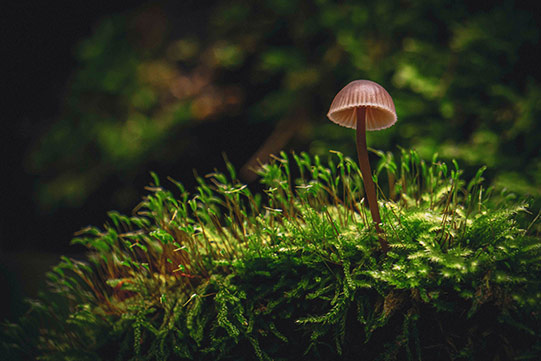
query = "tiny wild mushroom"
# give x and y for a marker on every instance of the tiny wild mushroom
(364, 105)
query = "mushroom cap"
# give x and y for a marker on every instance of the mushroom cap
(380, 111)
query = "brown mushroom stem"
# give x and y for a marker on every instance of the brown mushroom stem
(364, 164)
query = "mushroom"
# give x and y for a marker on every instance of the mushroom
(365, 105)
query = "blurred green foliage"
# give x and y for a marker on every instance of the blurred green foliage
(464, 79)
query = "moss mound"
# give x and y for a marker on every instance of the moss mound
(295, 272)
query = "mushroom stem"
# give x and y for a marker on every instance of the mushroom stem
(364, 164)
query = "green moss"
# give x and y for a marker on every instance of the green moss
(295, 272)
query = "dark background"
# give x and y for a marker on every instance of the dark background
(39, 40)
(465, 77)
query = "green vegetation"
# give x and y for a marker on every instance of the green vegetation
(295, 272)
(464, 78)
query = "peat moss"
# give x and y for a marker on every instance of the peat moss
(295, 272)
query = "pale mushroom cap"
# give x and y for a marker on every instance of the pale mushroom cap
(380, 111)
